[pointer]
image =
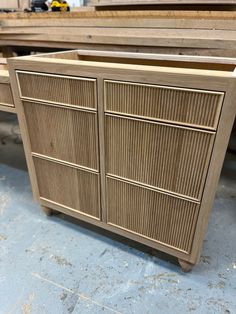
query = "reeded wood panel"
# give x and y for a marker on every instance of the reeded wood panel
(74, 188)
(155, 215)
(193, 107)
(58, 89)
(65, 134)
(6, 95)
(167, 157)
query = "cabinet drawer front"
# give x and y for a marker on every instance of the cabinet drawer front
(65, 134)
(67, 186)
(183, 106)
(6, 95)
(74, 91)
(160, 155)
(160, 217)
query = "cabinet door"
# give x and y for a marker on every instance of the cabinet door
(154, 215)
(58, 89)
(71, 187)
(63, 134)
(61, 116)
(158, 144)
(182, 106)
(163, 156)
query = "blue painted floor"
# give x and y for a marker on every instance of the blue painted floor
(58, 265)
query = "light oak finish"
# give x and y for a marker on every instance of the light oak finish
(50, 88)
(78, 142)
(176, 163)
(109, 3)
(6, 98)
(75, 188)
(177, 105)
(186, 266)
(143, 156)
(164, 31)
(125, 37)
(149, 213)
(48, 211)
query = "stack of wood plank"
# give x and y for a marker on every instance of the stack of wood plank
(210, 33)
(102, 3)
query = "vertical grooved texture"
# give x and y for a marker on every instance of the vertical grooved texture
(163, 156)
(188, 106)
(6, 94)
(65, 134)
(155, 215)
(74, 188)
(64, 90)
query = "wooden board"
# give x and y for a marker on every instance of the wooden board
(185, 32)
(6, 98)
(9, 4)
(158, 2)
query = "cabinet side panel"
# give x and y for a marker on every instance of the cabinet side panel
(222, 137)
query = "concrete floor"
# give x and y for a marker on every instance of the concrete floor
(59, 265)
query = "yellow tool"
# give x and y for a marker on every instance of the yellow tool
(60, 5)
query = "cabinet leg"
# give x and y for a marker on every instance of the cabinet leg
(186, 266)
(48, 211)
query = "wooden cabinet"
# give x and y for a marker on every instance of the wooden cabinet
(134, 148)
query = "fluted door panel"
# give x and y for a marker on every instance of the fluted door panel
(163, 156)
(66, 90)
(158, 216)
(6, 98)
(62, 133)
(192, 107)
(67, 186)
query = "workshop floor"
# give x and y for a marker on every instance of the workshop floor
(57, 265)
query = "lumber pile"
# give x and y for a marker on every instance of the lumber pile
(163, 4)
(159, 2)
(210, 33)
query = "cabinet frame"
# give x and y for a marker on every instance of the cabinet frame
(215, 80)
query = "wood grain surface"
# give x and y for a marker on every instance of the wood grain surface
(157, 167)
